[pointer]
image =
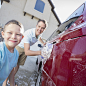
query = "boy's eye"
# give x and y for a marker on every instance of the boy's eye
(9, 32)
(38, 26)
(18, 34)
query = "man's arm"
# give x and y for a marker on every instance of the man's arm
(40, 39)
(29, 52)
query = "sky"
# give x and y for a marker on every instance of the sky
(64, 8)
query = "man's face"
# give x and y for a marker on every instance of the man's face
(40, 27)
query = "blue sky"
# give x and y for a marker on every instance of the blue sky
(64, 8)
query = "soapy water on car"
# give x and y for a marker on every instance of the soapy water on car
(46, 51)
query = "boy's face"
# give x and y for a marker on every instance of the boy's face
(12, 35)
(40, 27)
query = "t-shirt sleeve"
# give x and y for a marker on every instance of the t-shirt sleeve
(27, 39)
(2, 58)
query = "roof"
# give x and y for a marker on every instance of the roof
(54, 11)
(5, 0)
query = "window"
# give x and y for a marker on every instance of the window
(0, 3)
(39, 6)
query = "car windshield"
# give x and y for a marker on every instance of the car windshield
(69, 21)
(77, 12)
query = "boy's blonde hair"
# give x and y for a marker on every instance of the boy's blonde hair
(14, 22)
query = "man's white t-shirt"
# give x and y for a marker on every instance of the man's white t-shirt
(29, 37)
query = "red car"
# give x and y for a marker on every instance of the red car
(66, 65)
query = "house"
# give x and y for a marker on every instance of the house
(28, 12)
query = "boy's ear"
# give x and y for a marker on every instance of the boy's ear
(36, 25)
(2, 33)
(22, 36)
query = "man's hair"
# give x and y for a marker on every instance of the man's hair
(12, 22)
(44, 21)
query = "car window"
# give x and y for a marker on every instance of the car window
(64, 26)
(77, 12)
(69, 21)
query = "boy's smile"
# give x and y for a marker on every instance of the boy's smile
(12, 35)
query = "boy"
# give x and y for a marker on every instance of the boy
(12, 34)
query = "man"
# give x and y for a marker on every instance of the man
(31, 36)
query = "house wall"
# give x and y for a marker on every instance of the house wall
(52, 26)
(29, 8)
(15, 10)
